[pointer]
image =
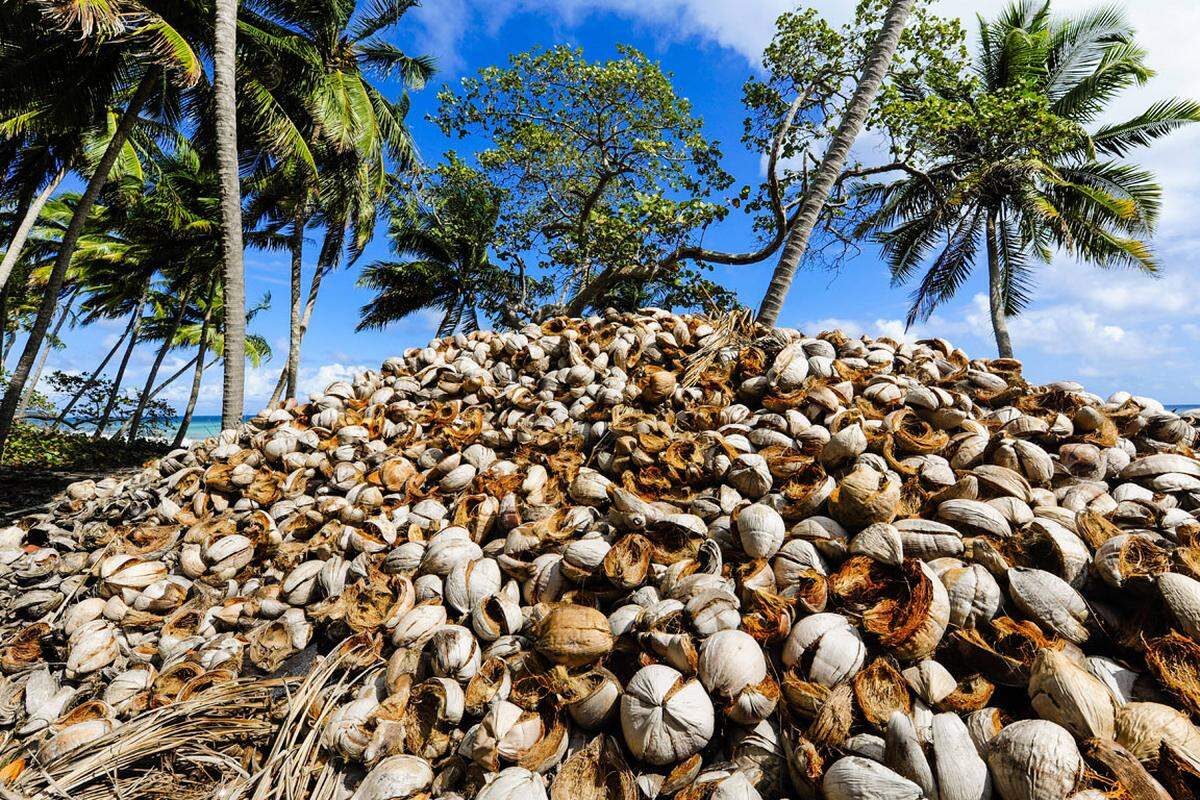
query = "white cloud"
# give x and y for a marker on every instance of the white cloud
(892, 328)
(442, 25)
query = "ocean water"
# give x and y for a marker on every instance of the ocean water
(201, 427)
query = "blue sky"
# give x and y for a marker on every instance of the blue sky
(1107, 330)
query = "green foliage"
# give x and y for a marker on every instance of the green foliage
(603, 166)
(992, 126)
(1003, 156)
(443, 228)
(34, 446)
(156, 418)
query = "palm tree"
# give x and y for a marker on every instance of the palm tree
(834, 160)
(353, 132)
(1022, 175)
(225, 96)
(101, 260)
(134, 46)
(443, 239)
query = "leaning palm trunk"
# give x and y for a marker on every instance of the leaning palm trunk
(834, 160)
(21, 234)
(197, 377)
(996, 300)
(66, 249)
(102, 423)
(168, 342)
(91, 381)
(167, 381)
(309, 304)
(224, 62)
(31, 386)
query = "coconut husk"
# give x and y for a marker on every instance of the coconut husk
(1178, 773)
(24, 648)
(597, 772)
(1175, 661)
(898, 600)
(1119, 767)
(484, 685)
(368, 602)
(802, 697)
(915, 436)
(768, 616)
(972, 693)
(803, 490)
(1187, 561)
(1141, 560)
(1007, 658)
(548, 749)
(627, 562)
(1095, 529)
(880, 691)
(681, 775)
(831, 727)
(426, 733)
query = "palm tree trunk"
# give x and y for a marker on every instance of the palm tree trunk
(834, 160)
(197, 377)
(91, 381)
(3, 326)
(168, 342)
(66, 250)
(313, 288)
(174, 376)
(21, 234)
(224, 63)
(30, 387)
(102, 423)
(293, 360)
(996, 291)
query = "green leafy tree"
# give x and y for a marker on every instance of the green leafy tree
(1008, 163)
(606, 171)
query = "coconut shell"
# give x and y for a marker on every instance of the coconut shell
(574, 635)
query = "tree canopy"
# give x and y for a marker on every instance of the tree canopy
(605, 168)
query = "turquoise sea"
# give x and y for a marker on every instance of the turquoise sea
(202, 426)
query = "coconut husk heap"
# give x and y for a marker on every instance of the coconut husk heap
(633, 555)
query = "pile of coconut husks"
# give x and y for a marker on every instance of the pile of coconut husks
(628, 556)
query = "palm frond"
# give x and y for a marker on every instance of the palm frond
(950, 269)
(1155, 122)
(386, 60)
(379, 16)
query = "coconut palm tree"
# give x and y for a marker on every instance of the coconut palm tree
(133, 52)
(1019, 168)
(203, 330)
(354, 132)
(834, 160)
(234, 277)
(442, 237)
